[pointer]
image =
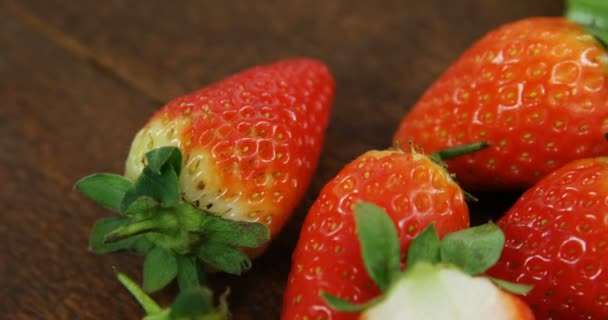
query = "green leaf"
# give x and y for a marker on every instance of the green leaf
(457, 151)
(187, 273)
(141, 244)
(104, 226)
(194, 302)
(236, 233)
(197, 303)
(475, 249)
(425, 247)
(106, 189)
(163, 188)
(141, 208)
(160, 268)
(512, 287)
(171, 156)
(379, 243)
(224, 258)
(591, 14)
(342, 305)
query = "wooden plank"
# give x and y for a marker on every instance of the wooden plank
(60, 119)
(77, 79)
(382, 54)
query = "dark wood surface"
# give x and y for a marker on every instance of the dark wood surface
(78, 78)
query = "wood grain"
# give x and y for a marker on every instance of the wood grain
(77, 78)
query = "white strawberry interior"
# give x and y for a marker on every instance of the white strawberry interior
(435, 293)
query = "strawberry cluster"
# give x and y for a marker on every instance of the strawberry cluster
(214, 175)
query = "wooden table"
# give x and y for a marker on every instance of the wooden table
(78, 78)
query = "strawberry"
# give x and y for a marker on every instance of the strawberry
(442, 279)
(415, 191)
(535, 89)
(248, 146)
(557, 236)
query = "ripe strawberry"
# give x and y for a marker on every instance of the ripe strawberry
(557, 236)
(535, 89)
(442, 279)
(248, 146)
(251, 142)
(413, 189)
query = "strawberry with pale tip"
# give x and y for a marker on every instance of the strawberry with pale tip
(213, 176)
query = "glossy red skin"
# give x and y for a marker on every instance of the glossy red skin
(535, 89)
(411, 188)
(264, 128)
(557, 240)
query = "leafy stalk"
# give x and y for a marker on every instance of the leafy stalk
(193, 303)
(180, 241)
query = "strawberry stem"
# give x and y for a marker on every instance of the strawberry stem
(158, 223)
(457, 151)
(149, 305)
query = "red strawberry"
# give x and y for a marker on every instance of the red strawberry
(442, 280)
(557, 236)
(414, 190)
(250, 144)
(535, 89)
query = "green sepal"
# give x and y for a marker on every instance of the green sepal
(474, 250)
(160, 268)
(142, 208)
(197, 303)
(342, 305)
(379, 243)
(187, 273)
(164, 156)
(515, 288)
(106, 189)
(104, 226)
(592, 15)
(163, 187)
(425, 247)
(236, 233)
(159, 180)
(457, 151)
(222, 257)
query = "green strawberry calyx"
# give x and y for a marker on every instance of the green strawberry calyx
(191, 304)
(179, 240)
(472, 251)
(592, 15)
